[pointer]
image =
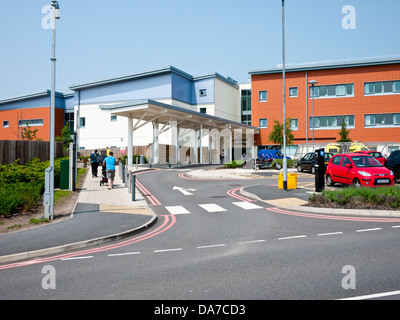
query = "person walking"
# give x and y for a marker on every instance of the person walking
(94, 162)
(222, 156)
(110, 170)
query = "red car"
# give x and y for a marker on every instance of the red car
(376, 154)
(359, 170)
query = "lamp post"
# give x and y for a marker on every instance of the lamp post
(312, 83)
(284, 99)
(55, 14)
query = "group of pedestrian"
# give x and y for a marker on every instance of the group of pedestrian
(108, 163)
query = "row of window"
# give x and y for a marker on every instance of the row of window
(334, 122)
(343, 90)
(25, 123)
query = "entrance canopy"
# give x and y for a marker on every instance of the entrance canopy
(142, 112)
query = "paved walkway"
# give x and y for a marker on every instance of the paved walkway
(100, 215)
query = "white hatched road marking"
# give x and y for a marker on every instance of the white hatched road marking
(247, 205)
(212, 207)
(177, 210)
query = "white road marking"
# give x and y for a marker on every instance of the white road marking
(122, 254)
(177, 210)
(294, 237)
(395, 226)
(247, 205)
(366, 230)
(252, 241)
(372, 296)
(77, 258)
(330, 233)
(212, 246)
(212, 207)
(186, 192)
(168, 250)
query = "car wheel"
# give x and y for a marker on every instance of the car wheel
(299, 169)
(356, 183)
(313, 170)
(329, 181)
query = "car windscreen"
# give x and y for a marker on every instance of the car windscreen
(365, 161)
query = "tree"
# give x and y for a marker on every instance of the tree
(344, 133)
(65, 137)
(276, 135)
(28, 134)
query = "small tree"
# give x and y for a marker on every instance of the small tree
(28, 134)
(344, 133)
(65, 137)
(276, 135)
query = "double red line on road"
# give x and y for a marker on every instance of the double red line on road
(233, 194)
(169, 221)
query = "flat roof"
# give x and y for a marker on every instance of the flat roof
(143, 74)
(328, 65)
(150, 110)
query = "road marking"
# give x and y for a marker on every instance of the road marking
(252, 241)
(247, 205)
(185, 191)
(395, 226)
(122, 254)
(294, 237)
(372, 296)
(168, 250)
(177, 210)
(330, 233)
(212, 246)
(212, 207)
(77, 258)
(366, 230)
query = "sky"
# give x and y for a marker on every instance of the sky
(99, 39)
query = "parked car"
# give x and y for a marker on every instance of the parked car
(376, 154)
(307, 163)
(269, 153)
(393, 163)
(359, 170)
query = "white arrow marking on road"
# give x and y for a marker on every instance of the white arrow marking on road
(184, 191)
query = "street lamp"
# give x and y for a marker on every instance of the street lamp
(313, 83)
(55, 14)
(284, 99)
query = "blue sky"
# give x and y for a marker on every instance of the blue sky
(98, 39)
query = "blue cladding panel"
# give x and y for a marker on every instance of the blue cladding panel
(209, 85)
(154, 87)
(182, 89)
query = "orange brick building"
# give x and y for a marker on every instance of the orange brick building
(366, 94)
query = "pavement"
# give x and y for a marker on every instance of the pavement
(101, 215)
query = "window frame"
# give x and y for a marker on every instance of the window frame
(260, 121)
(261, 99)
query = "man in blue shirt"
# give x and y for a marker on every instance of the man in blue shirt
(110, 170)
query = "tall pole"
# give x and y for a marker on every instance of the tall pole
(54, 16)
(284, 99)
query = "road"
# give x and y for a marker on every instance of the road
(213, 243)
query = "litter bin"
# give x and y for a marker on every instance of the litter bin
(142, 160)
(291, 181)
(64, 174)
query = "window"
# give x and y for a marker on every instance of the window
(382, 119)
(336, 160)
(82, 121)
(382, 87)
(293, 92)
(203, 110)
(294, 124)
(203, 92)
(263, 96)
(346, 161)
(6, 124)
(113, 118)
(30, 123)
(263, 123)
(332, 91)
(332, 122)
